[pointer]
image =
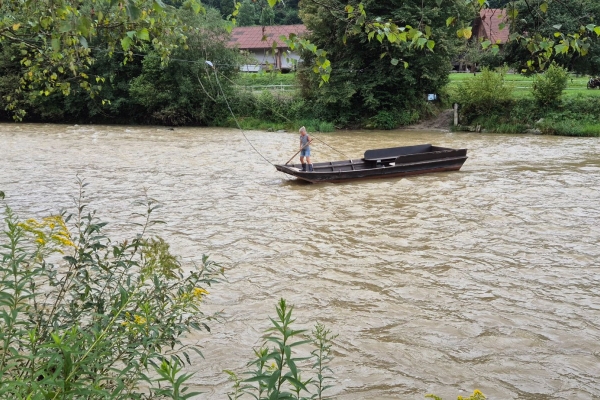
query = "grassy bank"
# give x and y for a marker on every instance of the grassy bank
(493, 102)
(521, 85)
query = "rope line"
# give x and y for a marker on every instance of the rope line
(227, 102)
(332, 148)
(283, 116)
(236, 121)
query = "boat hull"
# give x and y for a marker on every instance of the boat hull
(391, 165)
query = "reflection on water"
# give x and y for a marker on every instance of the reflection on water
(484, 278)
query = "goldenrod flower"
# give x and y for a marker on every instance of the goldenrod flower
(199, 292)
(138, 319)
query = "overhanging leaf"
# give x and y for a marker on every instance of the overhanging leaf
(126, 43)
(561, 48)
(143, 34)
(394, 61)
(468, 32)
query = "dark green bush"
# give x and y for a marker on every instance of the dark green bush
(485, 94)
(383, 120)
(548, 87)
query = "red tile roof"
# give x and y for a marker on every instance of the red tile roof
(251, 37)
(491, 18)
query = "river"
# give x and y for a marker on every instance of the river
(485, 278)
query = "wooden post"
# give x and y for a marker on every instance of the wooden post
(455, 114)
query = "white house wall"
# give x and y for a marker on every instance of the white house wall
(266, 57)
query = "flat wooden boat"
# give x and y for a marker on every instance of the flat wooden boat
(383, 163)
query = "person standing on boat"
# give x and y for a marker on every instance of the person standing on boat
(305, 150)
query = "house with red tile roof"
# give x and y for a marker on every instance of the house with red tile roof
(264, 43)
(487, 26)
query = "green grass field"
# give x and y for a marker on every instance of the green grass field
(577, 86)
(276, 81)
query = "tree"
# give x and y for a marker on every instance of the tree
(558, 28)
(373, 76)
(498, 3)
(541, 47)
(247, 15)
(55, 38)
(187, 90)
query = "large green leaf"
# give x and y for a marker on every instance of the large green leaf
(126, 43)
(143, 34)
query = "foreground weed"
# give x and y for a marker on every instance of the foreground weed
(82, 316)
(276, 372)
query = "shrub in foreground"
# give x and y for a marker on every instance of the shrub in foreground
(278, 372)
(82, 316)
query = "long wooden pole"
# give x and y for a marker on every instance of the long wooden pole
(297, 152)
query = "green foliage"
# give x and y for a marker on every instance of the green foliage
(102, 323)
(383, 120)
(188, 91)
(325, 127)
(55, 39)
(247, 15)
(266, 78)
(144, 89)
(277, 370)
(565, 124)
(548, 88)
(270, 106)
(315, 125)
(575, 115)
(369, 76)
(566, 33)
(485, 94)
(392, 119)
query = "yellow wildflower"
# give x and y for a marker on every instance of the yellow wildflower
(199, 292)
(138, 319)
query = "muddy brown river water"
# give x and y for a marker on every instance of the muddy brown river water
(486, 278)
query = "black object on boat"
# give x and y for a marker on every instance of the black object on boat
(383, 163)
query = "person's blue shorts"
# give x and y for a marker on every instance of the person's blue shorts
(305, 153)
